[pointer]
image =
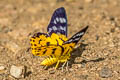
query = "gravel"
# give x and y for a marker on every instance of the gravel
(105, 72)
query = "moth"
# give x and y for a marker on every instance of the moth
(54, 44)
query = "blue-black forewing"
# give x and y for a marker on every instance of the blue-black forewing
(76, 37)
(58, 23)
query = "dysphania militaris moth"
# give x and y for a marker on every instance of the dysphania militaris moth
(55, 43)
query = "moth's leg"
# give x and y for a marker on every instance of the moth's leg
(67, 65)
(66, 62)
(63, 65)
(57, 64)
(45, 67)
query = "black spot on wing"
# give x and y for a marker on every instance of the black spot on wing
(39, 49)
(61, 39)
(48, 43)
(53, 50)
(35, 48)
(57, 42)
(67, 52)
(62, 51)
(37, 53)
(44, 51)
(35, 45)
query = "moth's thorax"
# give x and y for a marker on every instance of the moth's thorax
(56, 39)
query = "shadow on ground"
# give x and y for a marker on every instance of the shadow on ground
(78, 53)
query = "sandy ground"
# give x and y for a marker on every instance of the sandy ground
(98, 57)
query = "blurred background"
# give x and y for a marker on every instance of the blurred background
(100, 59)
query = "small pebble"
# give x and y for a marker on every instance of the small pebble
(97, 37)
(17, 71)
(2, 69)
(105, 72)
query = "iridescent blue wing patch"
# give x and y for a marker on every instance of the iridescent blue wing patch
(76, 37)
(58, 23)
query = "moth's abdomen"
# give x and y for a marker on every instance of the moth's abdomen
(49, 61)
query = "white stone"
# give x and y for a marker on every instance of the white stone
(2, 68)
(17, 71)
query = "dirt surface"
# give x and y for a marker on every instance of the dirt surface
(98, 57)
